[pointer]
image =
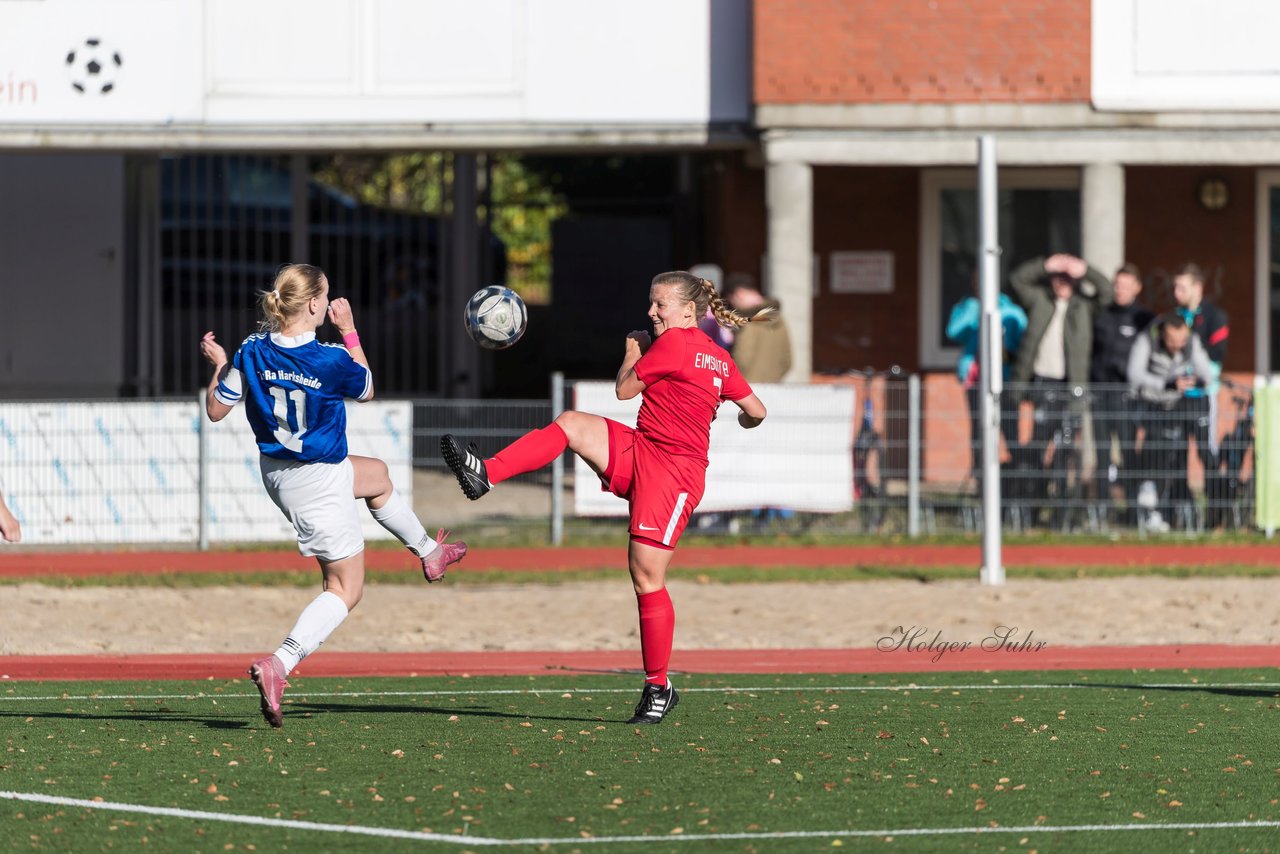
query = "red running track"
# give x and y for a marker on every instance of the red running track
(38, 564)
(354, 664)
(1137, 555)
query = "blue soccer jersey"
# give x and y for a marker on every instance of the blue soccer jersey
(293, 389)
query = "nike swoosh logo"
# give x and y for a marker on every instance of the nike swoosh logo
(645, 527)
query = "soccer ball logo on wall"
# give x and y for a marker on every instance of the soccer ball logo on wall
(93, 67)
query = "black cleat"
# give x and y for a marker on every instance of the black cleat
(467, 466)
(655, 703)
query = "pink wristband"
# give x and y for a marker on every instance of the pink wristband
(351, 340)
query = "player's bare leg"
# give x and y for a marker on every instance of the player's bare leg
(588, 437)
(372, 482)
(585, 434)
(343, 589)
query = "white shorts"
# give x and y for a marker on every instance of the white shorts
(319, 499)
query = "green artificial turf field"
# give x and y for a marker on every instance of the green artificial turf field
(1080, 761)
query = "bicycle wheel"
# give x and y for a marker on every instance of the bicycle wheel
(868, 480)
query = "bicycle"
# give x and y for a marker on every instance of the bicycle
(868, 453)
(1058, 423)
(1226, 488)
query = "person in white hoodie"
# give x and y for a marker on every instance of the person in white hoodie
(1169, 370)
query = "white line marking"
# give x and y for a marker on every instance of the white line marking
(395, 833)
(764, 689)
(675, 517)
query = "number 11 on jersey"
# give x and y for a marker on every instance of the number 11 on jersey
(281, 399)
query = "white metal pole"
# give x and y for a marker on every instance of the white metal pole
(913, 455)
(202, 473)
(557, 465)
(990, 353)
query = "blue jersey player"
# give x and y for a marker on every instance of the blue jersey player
(293, 388)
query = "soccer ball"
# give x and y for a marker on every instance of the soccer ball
(92, 67)
(495, 317)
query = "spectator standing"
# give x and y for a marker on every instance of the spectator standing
(964, 326)
(762, 351)
(1208, 323)
(1115, 328)
(712, 273)
(1168, 372)
(1061, 295)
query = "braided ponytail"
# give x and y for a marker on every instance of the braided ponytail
(703, 295)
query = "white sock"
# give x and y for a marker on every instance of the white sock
(316, 622)
(398, 518)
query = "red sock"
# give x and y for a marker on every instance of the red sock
(530, 452)
(657, 632)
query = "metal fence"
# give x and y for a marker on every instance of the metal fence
(1096, 460)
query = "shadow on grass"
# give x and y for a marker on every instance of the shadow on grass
(473, 712)
(250, 716)
(228, 721)
(1228, 691)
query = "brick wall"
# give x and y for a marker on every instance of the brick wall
(839, 52)
(736, 224)
(867, 210)
(1166, 226)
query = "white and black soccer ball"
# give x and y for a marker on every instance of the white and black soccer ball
(495, 317)
(93, 68)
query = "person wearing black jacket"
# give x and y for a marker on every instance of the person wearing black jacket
(1115, 327)
(1208, 323)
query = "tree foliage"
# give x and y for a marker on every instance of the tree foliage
(521, 207)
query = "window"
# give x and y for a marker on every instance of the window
(1039, 214)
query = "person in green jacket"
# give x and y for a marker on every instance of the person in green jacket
(1061, 295)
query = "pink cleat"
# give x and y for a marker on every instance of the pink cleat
(435, 564)
(268, 674)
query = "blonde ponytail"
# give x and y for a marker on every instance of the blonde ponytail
(294, 287)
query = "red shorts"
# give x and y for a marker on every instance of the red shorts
(661, 489)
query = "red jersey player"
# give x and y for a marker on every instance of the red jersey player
(659, 466)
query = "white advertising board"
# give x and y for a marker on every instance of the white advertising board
(176, 63)
(105, 473)
(800, 458)
(1185, 55)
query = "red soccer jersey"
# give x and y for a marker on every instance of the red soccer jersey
(686, 375)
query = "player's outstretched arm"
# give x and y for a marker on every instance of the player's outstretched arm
(217, 356)
(752, 411)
